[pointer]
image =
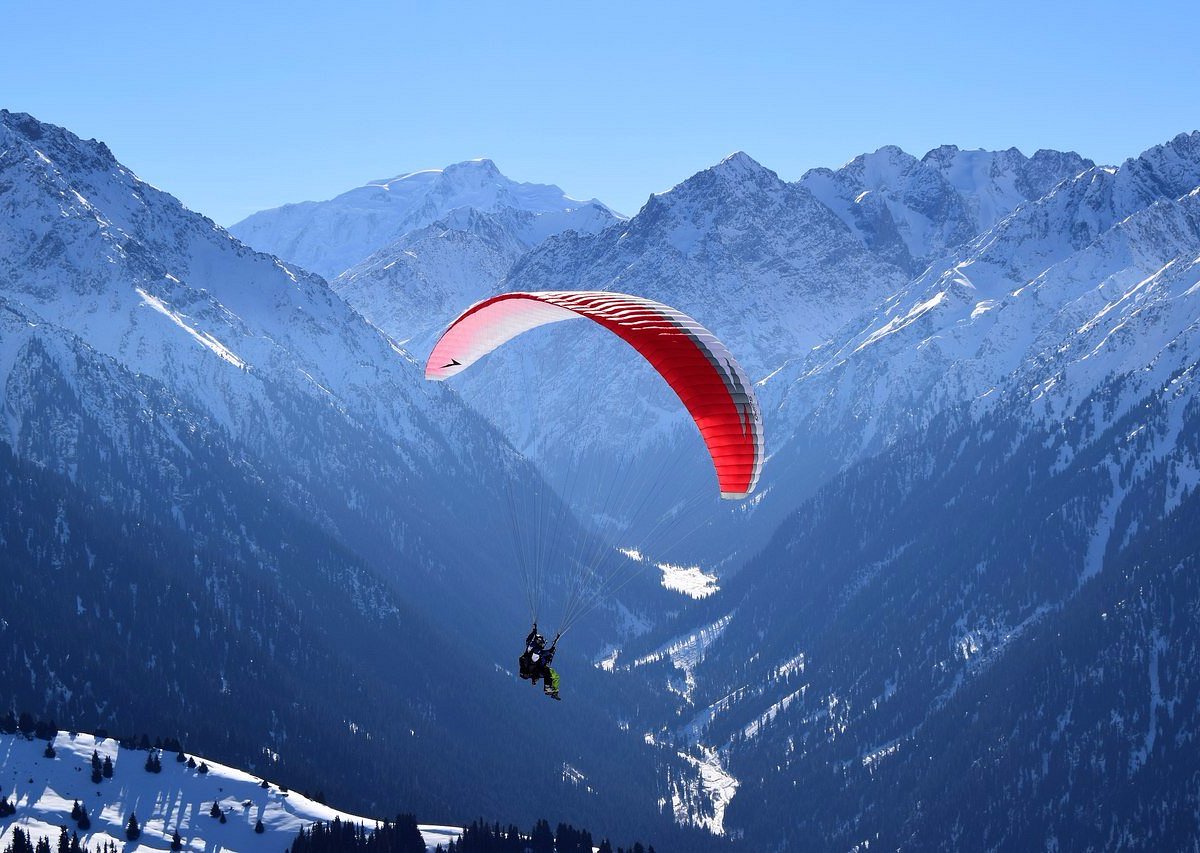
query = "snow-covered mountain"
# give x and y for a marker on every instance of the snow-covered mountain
(178, 799)
(910, 211)
(235, 487)
(328, 237)
(267, 355)
(989, 587)
(949, 625)
(1090, 282)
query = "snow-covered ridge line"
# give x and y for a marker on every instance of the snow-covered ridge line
(178, 799)
(329, 237)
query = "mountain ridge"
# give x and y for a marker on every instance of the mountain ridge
(328, 237)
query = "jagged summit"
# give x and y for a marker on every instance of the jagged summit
(53, 141)
(1169, 169)
(737, 175)
(741, 163)
(877, 166)
(910, 210)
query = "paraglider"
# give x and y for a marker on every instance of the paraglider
(535, 662)
(712, 386)
(700, 370)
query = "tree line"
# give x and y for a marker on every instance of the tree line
(403, 836)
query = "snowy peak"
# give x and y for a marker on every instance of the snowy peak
(482, 166)
(24, 132)
(736, 178)
(740, 166)
(479, 184)
(880, 169)
(1046, 168)
(329, 237)
(1050, 296)
(1169, 170)
(911, 210)
(735, 203)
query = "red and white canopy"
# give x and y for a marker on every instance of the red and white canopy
(700, 370)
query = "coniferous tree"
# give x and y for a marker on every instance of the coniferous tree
(176, 841)
(85, 822)
(75, 811)
(180, 757)
(191, 762)
(108, 767)
(541, 840)
(407, 835)
(64, 842)
(222, 818)
(203, 768)
(215, 811)
(259, 828)
(132, 831)
(49, 753)
(21, 842)
(96, 776)
(95, 760)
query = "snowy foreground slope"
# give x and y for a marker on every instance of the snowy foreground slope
(176, 800)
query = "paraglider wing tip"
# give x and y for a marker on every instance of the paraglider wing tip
(438, 372)
(734, 496)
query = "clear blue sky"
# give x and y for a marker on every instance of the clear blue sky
(237, 106)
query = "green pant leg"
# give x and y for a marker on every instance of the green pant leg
(553, 679)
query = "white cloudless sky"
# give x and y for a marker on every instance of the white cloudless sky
(235, 106)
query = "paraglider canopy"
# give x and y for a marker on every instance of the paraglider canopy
(699, 369)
